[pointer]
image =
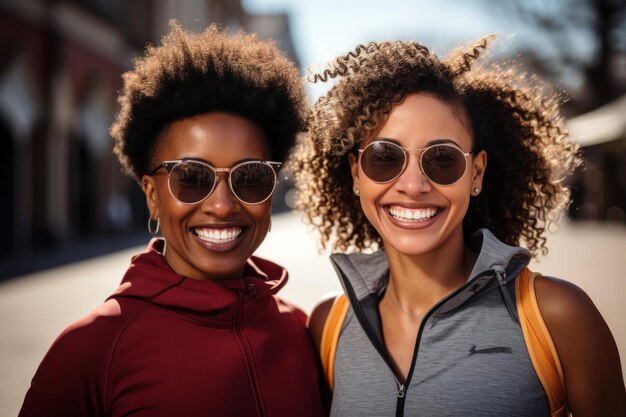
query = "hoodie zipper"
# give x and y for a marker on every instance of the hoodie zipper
(246, 349)
(359, 313)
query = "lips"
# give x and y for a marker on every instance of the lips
(217, 235)
(413, 215)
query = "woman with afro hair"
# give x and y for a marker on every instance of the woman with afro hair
(195, 329)
(426, 175)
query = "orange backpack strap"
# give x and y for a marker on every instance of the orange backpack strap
(540, 346)
(330, 336)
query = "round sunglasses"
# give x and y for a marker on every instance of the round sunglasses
(191, 182)
(383, 161)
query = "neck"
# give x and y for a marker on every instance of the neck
(419, 282)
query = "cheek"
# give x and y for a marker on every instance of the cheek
(369, 195)
(171, 211)
(165, 199)
(175, 214)
(458, 197)
(261, 214)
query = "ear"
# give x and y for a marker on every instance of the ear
(354, 170)
(148, 184)
(479, 165)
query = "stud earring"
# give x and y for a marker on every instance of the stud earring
(158, 226)
(476, 190)
(356, 191)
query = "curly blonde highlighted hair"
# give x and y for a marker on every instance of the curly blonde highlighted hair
(519, 126)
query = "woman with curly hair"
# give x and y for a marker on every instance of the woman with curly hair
(195, 328)
(433, 172)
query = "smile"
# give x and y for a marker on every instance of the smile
(412, 215)
(218, 235)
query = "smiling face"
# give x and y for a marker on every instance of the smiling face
(214, 238)
(412, 214)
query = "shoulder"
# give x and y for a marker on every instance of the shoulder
(318, 317)
(585, 346)
(563, 303)
(94, 334)
(80, 358)
(291, 309)
(568, 310)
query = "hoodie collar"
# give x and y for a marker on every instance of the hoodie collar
(150, 278)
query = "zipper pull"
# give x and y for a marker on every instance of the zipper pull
(508, 302)
(251, 290)
(401, 392)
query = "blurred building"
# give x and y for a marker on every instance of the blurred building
(60, 71)
(599, 189)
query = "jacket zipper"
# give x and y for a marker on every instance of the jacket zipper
(248, 358)
(358, 311)
(400, 404)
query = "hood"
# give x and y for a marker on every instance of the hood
(364, 275)
(150, 278)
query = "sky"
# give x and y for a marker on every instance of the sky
(324, 29)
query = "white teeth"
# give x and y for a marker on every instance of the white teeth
(218, 235)
(417, 214)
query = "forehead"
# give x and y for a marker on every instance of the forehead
(421, 119)
(219, 138)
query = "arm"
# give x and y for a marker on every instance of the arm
(318, 319)
(316, 323)
(586, 348)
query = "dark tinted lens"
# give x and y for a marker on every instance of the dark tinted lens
(443, 164)
(253, 182)
(382, 161)
(191, 182)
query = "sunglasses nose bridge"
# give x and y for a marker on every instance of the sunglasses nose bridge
(221, 174)
(418, 158)
(412, 181)
(411, 176)
(221, 201)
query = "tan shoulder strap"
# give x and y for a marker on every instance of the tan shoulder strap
(330, 336)
(540, 346)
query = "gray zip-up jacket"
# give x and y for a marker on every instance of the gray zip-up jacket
(470, 358)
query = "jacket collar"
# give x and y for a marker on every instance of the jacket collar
(367, 274)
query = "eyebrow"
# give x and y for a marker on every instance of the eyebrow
(429, 143)
(190, 158)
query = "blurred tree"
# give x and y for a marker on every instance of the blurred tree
(582, 44)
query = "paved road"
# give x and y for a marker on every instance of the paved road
(35, 308)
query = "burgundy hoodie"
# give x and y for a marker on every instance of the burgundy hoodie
(165, 345)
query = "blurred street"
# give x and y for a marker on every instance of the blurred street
(36, 307)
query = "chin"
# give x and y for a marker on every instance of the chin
(410, 246)
(224, 268)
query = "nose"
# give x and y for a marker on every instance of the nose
(221, 202)
(412, 181)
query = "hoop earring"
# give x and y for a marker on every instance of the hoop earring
(158, 226)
